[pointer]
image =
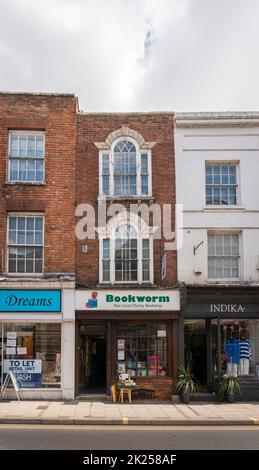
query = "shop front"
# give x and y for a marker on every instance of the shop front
(221, 335)
(126, 331)
(37, 334)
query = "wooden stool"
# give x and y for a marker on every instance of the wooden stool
(127, 391)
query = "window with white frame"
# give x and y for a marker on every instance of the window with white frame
(126, 257)
(223, 256)
(221, 183)
(125, 170)
(26, 156)
(25, 244)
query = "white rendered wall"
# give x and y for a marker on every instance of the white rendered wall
(68, 345)
(193, 147)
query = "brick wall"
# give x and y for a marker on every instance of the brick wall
(162, 386)
(56, 115)
(154, 127)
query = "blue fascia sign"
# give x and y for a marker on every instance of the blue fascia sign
(19, 300)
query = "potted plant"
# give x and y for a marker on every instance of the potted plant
(229, 387)
(186, 383)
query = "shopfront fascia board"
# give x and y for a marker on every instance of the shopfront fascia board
(222, 310)
(130, 300)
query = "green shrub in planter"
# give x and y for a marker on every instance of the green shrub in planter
(229, 387)
(186, 383)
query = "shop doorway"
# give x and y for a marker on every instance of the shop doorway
(196, 350)
(92, 364)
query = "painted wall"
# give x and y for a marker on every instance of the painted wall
(193, 147)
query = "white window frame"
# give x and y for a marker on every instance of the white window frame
(238, 193)
(240, 256)
(139, 151)
(25, 133)
(139, 257)
(26, 214)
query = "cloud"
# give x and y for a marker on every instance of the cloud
(124, 55)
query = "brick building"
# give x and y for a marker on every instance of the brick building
(37, 262)
(82, 300)
(126, 309)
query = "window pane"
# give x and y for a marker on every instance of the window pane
(12, 223)
(40, 146)
(208, 179)
(144, 163)
(31, 146)
(144, 184)
(105, 165)
(38, 223)
(22, 146)
(14, 150)
(106, 185)
(106, 248)
(38, 266)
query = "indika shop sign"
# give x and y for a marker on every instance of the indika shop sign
(127, 300)
(15, 300)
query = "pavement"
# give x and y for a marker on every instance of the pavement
(137, 413)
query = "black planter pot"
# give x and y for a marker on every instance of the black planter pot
(185, 397)
(231, 397)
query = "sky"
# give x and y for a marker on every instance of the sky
(134, 55)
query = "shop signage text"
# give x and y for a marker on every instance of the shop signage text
(137, 298)
(230, 308)
(15, 300)
(128, 300)
(27, 371)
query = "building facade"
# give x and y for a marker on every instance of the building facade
(37, 247)
(217, 169)
(127, 306)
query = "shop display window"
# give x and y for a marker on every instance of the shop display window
(33, 353)
(142, 350)
(239, 347)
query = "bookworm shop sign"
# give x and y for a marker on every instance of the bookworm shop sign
(127, 300)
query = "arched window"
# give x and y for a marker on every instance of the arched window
(126, 170)
(126, 257)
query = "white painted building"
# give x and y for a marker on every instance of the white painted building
(226, 145)
(217, 173)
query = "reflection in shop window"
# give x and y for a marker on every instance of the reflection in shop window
(239, 347)
(141, 350)
(33, 353)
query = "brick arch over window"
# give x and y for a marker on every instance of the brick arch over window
(124, 132)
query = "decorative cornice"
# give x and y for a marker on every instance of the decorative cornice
(217, 119)
(124, 131)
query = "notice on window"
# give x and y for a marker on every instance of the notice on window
(121, 355)
(11, 335)
(11, 343)
(10, 351)
(121, 368)
(161, 333)
(121, 343)
(21, 351)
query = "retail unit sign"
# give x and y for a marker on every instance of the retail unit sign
(27, 371)
(87, 300)
(15, 300)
